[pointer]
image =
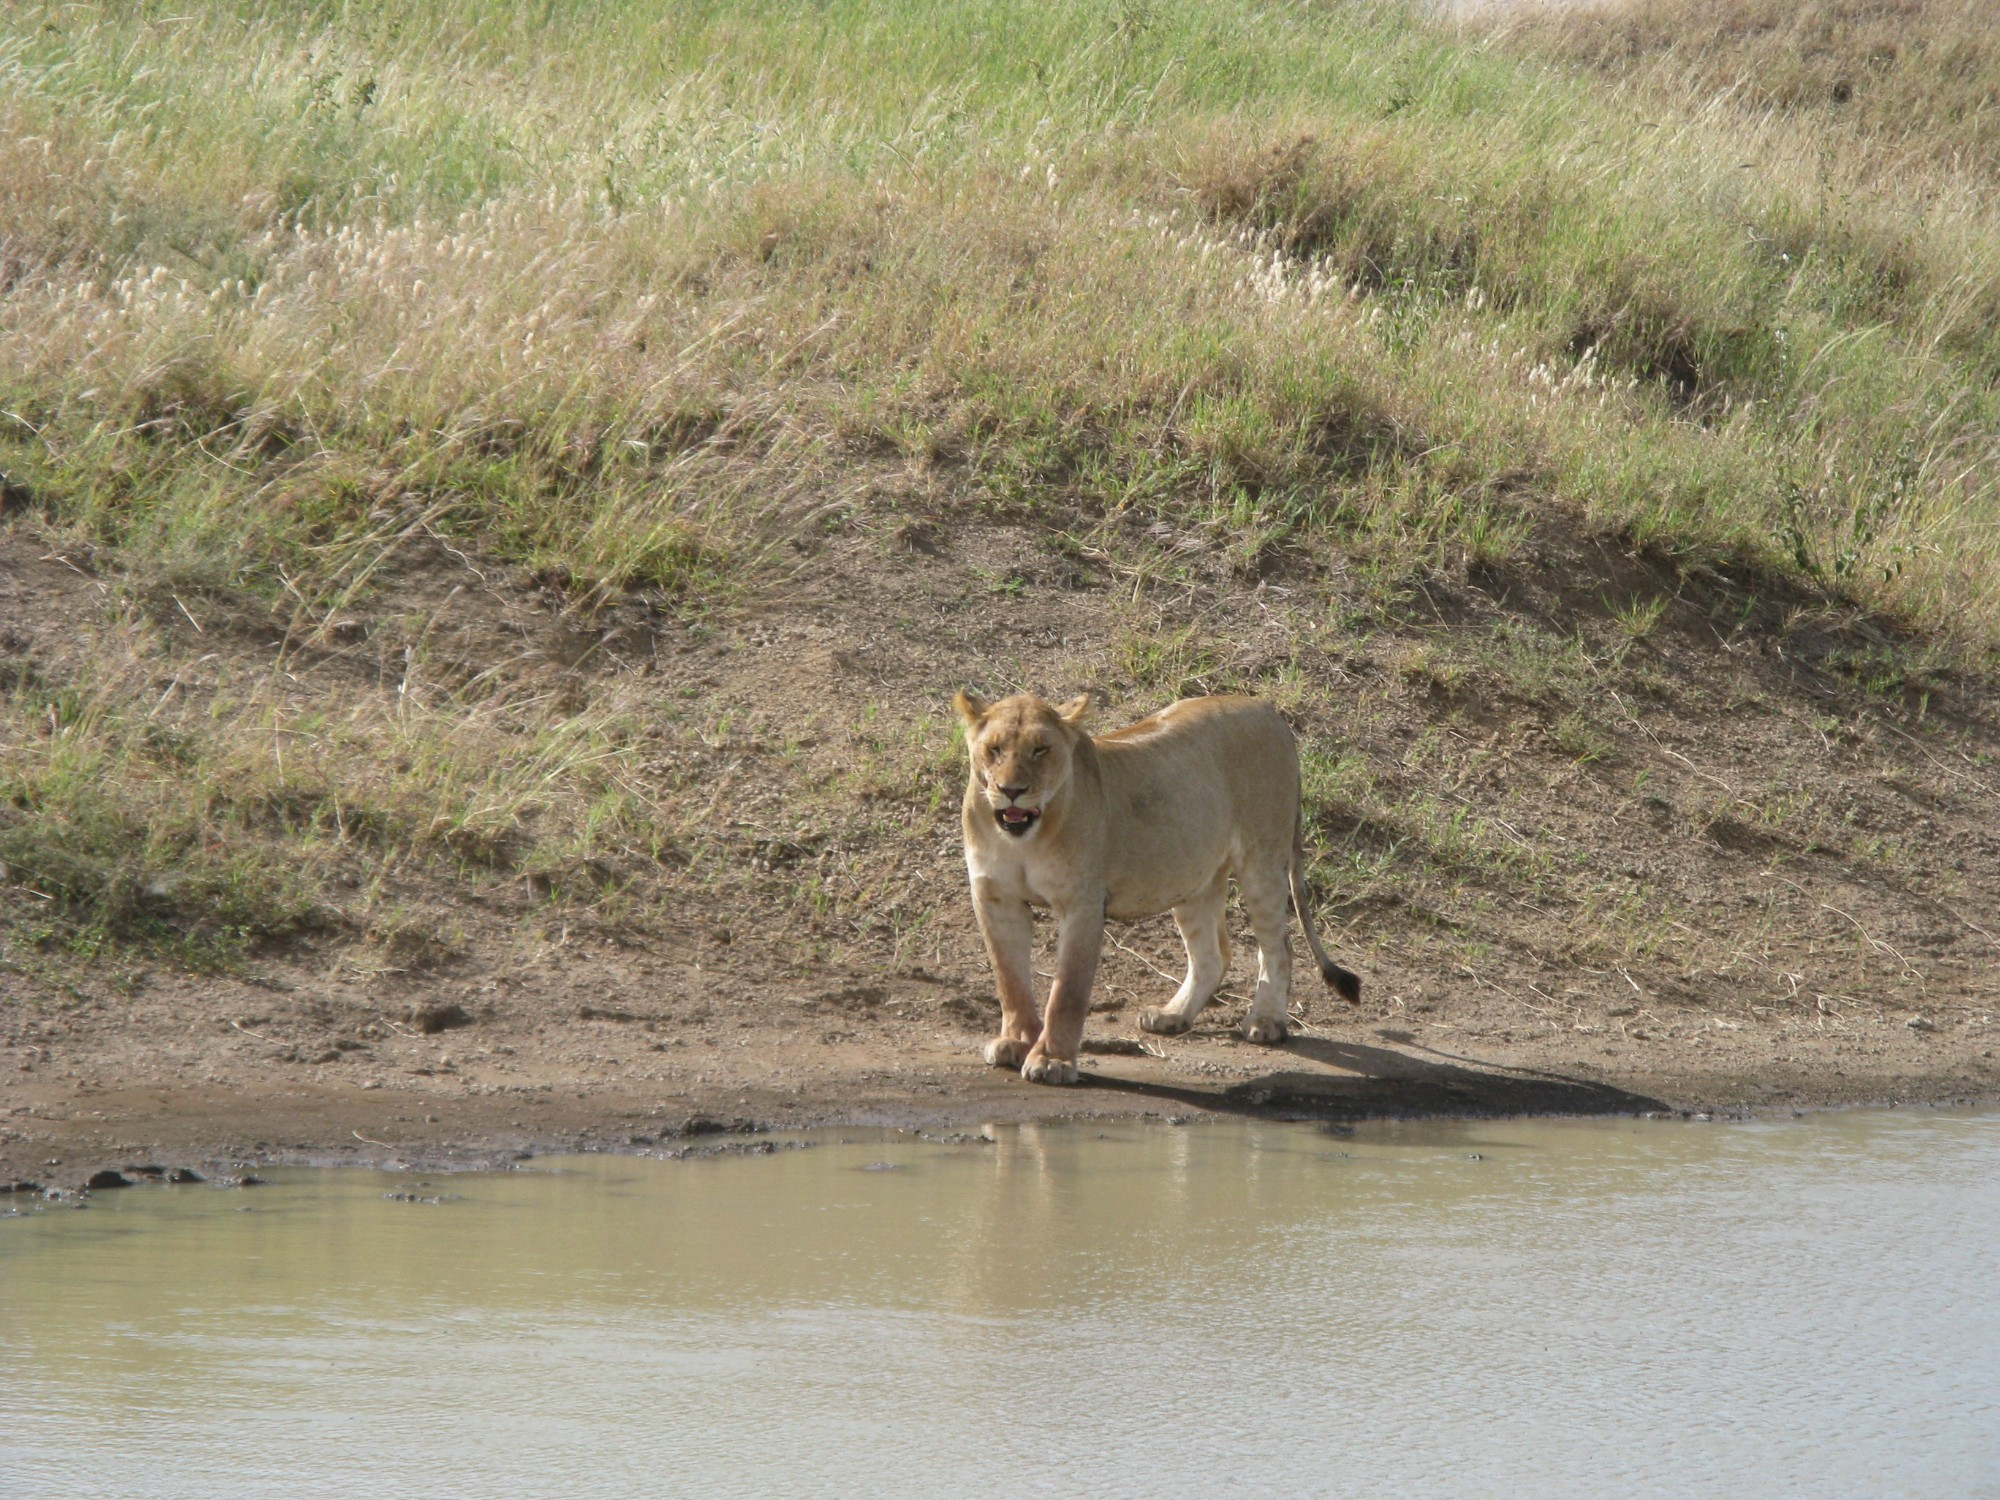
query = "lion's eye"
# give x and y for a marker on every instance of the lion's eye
(1040, 751)
(992, 752)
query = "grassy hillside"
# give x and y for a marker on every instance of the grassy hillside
(1884, 84)
(627, 312)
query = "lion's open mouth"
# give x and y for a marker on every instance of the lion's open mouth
(1016, 820)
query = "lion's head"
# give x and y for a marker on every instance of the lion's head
(1022, 749)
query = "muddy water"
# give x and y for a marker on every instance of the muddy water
(1809, 1307)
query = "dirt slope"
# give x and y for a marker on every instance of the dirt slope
(1597, 835)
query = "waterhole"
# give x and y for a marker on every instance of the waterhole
(1806, 1307)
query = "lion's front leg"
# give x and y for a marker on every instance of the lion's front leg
(1009, 930)
(1079, 941)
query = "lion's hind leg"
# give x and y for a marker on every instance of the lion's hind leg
(1205, 934)
(1267, 903)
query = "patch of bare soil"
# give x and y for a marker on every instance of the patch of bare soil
(1597, 836)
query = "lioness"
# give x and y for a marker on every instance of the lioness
(1150, 818)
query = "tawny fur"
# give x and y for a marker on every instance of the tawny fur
(1159, 816)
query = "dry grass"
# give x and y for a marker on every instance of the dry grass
(1902, 82)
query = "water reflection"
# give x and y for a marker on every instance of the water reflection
(1439, 1309)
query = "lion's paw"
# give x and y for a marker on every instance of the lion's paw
(1006, 1052)
(1268, 1031)
(1042, 1068)
(1162, 1022)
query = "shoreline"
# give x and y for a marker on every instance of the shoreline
(57, 1134)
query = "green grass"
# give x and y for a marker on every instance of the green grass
(633, 298)
(1265, 265)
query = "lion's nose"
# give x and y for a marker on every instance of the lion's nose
(1013, 791)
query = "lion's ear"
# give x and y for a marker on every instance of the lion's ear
(970, 709)
(1074, 712)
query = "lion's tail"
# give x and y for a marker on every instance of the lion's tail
(1344, 981)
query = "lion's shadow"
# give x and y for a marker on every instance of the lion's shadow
(1354, 1080)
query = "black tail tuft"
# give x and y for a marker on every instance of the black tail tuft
(1345, 982)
